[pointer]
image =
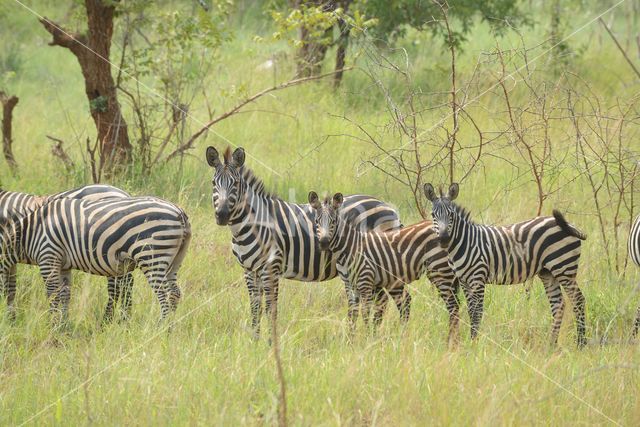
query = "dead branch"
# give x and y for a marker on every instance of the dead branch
(622, 51)
(8, 104)
(189, 143)
(58, 151)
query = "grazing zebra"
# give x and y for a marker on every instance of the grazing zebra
(479, 254)
(634, 254)
(272, 238)
(108, 237)
(376, 262)
(14, 204)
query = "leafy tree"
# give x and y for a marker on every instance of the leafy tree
(321, 24)
(395, 16)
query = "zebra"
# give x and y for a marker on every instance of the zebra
(633, 247)
(386, 261)
(109, 237)
(16, 204)
(272, 238)
(548, 247)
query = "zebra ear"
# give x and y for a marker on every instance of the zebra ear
(430, 192)
(314, 201)
(337, 200)
(238, 157)
(213, 158)
(454, 189)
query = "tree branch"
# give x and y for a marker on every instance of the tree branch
(189, 144)
(64, 38)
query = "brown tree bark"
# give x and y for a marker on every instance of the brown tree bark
(8, 104)
(92, 50)
(343, 43)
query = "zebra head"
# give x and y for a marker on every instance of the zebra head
(228, 183)
(443, 211)
(326, 219)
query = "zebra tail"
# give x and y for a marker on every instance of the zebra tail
(186, 239)
(566, 227)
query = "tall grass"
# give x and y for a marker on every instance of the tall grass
(208, 371)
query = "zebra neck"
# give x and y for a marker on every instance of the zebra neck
(460, 239)
(348, 240)
(256, 213)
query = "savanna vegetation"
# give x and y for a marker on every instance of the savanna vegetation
(530, 105)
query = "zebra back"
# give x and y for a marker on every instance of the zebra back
(16, 204)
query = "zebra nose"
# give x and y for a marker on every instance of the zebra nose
(444, 239)
(222, 216)
(324, 243)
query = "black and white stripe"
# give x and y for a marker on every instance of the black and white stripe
(381, 262)
(634, 253)
(14, 205)
(479, 254)
(109, 238)
(273, 238)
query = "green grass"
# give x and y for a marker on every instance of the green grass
(208, 371)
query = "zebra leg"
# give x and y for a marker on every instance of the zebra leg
(157, 280)
(554, 295)
(449, 295)
(475, 305)
(174, 291)
(402, 298)
(365, 289)
(379, 306)
(57, 284)
(125, 284)
(9, 280)
(637, 324)
(578, 302)
(112, 293)
(352, 300)
(270, 278)
(255, 301)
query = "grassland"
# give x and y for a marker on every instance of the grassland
(209, 372)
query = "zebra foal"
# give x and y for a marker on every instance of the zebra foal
(108, 238)
(548, 247)
(381, 262)
(272, 238)
(16, 204)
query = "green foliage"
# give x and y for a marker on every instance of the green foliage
(395, 16)
(11, 58)
(183, 46)
(317, 21)
(99, 104)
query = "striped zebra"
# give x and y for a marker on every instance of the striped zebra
(272, 239)
(548, 247)
(381, 262)
(634, 254)
(15, 204)
(109, 237)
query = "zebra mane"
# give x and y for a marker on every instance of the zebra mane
(256, 184)
(464, 214)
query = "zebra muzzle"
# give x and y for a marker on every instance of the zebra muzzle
(444, 240)
(222, 216)
(323, 243)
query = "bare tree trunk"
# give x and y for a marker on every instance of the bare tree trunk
(343, 43)
(92, 52)
(8, 104)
